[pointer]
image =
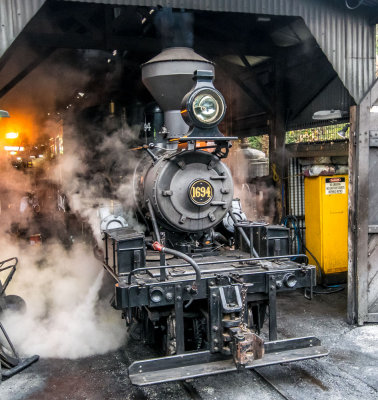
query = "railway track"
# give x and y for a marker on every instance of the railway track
(188, 388)
(277, 387)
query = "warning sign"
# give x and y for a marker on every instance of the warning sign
(335, 186)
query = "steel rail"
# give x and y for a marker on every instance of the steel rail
(277, 388)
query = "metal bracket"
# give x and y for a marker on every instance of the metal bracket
(226, 305)
(373, 228)
(179, 314)
(215, 324)
(272, 308)
(373, 139)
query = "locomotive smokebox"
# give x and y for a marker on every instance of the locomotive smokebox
(168, 77)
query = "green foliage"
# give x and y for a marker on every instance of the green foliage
(317, 134)
(255, 142)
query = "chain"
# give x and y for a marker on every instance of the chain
(242, 324)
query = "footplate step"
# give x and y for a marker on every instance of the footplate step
(192, 365)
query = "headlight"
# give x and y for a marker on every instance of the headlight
(204, 107)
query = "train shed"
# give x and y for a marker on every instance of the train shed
(282, 65)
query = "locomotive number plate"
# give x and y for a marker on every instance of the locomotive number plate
(201, 192)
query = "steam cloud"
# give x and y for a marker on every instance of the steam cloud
(258, 199)
(66, 290)
(65, 316)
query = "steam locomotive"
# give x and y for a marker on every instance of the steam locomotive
(202, 280)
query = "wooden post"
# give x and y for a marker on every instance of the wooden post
(277, 153)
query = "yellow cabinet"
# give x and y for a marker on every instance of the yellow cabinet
(326, 217)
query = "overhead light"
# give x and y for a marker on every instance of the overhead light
(263, 19)
(19, 158)
(13, 148)
(13, 153)
(329, 114)
(342, 132)
(11, 135)
(114, 52)
(4, 114)
(144, 20)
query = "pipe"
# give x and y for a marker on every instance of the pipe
(153, 220)
(244, 235)
(157, 246)
(238, 260)
(220, 238)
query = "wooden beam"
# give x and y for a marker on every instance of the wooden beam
(310, 92)
(247, 88)
(22, 74)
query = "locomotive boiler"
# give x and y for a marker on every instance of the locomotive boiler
(201, 281)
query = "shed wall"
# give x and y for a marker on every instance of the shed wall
(14, 15)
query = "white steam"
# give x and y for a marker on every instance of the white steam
(65, 315)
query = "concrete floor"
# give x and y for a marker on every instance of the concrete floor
(349, 372)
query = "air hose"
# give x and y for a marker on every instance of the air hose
(159, 247)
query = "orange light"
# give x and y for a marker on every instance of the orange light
(11, 135)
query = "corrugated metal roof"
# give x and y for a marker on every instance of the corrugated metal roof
(14, 15)
(344, 36)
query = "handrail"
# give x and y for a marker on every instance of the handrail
(214, 263)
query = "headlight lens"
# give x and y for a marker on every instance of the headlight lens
(207, 107)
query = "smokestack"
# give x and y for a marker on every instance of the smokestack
(168, 77)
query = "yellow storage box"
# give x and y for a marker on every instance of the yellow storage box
(326, 217)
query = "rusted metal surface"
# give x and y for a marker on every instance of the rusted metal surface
(345, 36)
(248, 347)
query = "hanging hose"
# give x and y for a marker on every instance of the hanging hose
(154, 222)
(159, 247)
(244, 235)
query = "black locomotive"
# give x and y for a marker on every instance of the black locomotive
(200, 282)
